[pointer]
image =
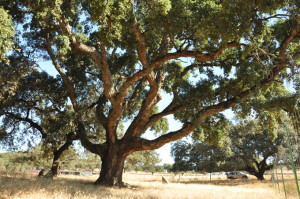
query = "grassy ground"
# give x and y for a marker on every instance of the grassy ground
(140, 185)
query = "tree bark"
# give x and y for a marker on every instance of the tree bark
(260, 175)
(262, 167)
(57, 153)
(55, 165)
(257, 172)
(112, 168)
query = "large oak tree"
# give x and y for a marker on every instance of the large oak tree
(201, 57)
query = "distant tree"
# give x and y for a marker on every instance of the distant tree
(180, 151)
(197, 156)
(85, 161)
(142, 161)
(151, 160)
(253, 149)
(24, 161)
(6, 163)
(168, 167)
(248, 147)
(134, 161)
(188, 157)
(24, 118)
(209, 161)
(38, 158)
(158, 168)
(270, 111)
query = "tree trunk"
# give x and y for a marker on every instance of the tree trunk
(57, 153)
(111, 169)
(259, 171)
(55, 164)
(260, 175)
(262, 167)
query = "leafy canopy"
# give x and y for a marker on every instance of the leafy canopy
(7, 32)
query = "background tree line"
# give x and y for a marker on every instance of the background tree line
(38, 159)
(248, 146)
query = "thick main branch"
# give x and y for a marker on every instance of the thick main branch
(102, 64)
(66, 82)
(189, 127)
(86, 143)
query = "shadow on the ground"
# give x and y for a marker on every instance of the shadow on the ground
(227, 182)
(223, 182)
(72, 185)
(12, 185)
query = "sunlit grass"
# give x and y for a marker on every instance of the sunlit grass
(139, 185)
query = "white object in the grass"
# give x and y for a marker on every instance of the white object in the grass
(164, 180)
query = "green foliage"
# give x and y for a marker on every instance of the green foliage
(162, 126)
(24, 161)
(270, 107)
(117, 58)
(213, 130)
(168, 167)
(7, 164)
(34, 94)
(7, 32)
(247, 147)
(198, 157)
(39, 158)
(180, 152)
(11, 77)
(3, 133)
(83, 161)
(143, 161)
(173, 77)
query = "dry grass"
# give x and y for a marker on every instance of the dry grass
(140, 185)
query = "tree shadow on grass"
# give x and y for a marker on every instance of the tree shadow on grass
(225, 182)
(15, 185)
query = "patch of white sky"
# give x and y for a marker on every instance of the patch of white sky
(48, 67)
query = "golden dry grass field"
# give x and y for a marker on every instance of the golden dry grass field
(139, 185)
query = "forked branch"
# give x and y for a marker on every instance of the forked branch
(66, 82)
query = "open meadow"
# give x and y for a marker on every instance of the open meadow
(138, 185)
